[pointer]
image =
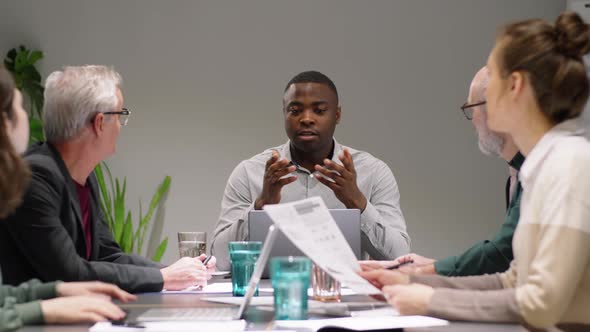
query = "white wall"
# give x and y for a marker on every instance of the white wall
(205, 79)
(582, 7)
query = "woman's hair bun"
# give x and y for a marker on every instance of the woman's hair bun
(573, 35)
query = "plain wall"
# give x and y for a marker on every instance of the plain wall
(205, 79)
(582, 7)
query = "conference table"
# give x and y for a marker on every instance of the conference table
(257, 318)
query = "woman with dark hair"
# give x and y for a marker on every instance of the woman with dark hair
(34, 302)
(538, 88)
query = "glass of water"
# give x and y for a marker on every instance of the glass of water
(243, 256)
(325, 288)
(192, 244)
(290, 280)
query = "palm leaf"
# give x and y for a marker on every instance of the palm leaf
(105, 200)
(127, 237)
(160, 250)
(156, 198)
(137, 235)
(119, 212)
(158, 224)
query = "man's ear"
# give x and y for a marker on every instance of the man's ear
(338, 114)
(98, 124)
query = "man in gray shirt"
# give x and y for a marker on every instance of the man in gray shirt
(313, 163)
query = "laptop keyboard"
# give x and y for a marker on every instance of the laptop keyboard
(209, 314)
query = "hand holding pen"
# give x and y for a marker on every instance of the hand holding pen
(209, 262)
(398, 265)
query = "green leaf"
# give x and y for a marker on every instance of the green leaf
(21, 63)
(36, 130)
(127, 242)
(103, 189)
(34, 57)
(11, 55)
(138, 238)
(111, 183)
(105, 199)
(119, 212)
(160, 192)
(162, 189)
(160, 251)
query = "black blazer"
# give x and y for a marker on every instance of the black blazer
(44, 238)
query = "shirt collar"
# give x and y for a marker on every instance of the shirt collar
(286, 153)
(540, 151)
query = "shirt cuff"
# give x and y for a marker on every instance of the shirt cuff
(156, 283)
(368, 217)
(30, 312)
(445, 266)
(46, 290)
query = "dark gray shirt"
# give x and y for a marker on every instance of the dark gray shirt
(383, 227)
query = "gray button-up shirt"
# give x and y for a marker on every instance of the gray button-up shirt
(383, 227)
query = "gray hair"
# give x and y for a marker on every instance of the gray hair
(74, 95)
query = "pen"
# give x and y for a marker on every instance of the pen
(207, 259)
(397, 266)
(127, 324)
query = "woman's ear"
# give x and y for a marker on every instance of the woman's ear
(517, 81)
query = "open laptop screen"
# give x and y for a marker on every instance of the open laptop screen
(348, 220)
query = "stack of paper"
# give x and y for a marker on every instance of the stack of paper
(201, 326)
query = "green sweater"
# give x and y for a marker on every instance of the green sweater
(21, 305)
(489, 256)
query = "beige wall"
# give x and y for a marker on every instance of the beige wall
(205, 79)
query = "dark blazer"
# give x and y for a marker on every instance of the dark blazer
(44, 238)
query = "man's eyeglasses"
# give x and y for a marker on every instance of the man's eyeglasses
(469, 108)
(124, 114)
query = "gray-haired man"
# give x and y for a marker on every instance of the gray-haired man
(59, 232)
(489, 256)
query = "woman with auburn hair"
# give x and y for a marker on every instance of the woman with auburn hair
(34, 302)
(538, 88)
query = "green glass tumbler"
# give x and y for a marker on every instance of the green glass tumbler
(290, 281)
(243, 256)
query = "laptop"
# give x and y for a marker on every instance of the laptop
(348, 220)
(218, 313)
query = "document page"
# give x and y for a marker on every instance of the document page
(364, 323)
(214, 288)
(310, 226)
(226, 326)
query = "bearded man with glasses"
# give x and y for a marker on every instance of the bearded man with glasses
(488, 256)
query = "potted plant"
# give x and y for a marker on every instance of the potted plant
(119, 219)
(21, 63)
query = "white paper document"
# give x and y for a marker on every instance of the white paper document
(356, 309)
(309, 225)
(214, 288)
(201, 326)
(344, 291)
(379, 312)
(238, 300)
(226, 287)
(364, 323)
